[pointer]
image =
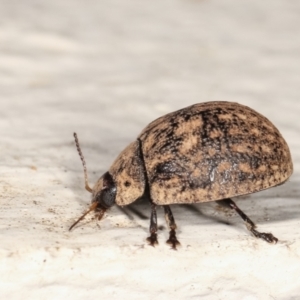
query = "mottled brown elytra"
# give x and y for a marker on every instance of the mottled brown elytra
(209, 151)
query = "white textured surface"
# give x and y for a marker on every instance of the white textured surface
(106, 69)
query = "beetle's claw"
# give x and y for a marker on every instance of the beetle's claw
(268, 237)
(152, 239)
(173, 240)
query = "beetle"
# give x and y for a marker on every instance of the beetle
(210, 151)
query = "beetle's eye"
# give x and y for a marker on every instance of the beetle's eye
(107, 196)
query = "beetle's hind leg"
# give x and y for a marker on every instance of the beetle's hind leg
(172, 225)
(152, 239)
(268, 237)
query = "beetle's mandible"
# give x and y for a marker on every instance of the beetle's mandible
(210, 151)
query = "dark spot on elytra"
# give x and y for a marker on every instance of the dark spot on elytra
(242, 176)
(183, 188)
(199, 183)
(168, 167)
(171, 144)
(167, 170)
(160, 131)
(187, 117)
(245, 130)
(121, 168)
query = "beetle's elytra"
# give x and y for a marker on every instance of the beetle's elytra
(209, 151)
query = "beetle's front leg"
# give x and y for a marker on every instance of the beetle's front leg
(152, 239)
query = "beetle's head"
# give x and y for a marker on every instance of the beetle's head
(103, 193)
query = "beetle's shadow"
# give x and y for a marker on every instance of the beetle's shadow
(138, 209)
(276, 204)
(180, 212)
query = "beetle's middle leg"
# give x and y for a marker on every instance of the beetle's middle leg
(152, 239)
(268, 237)
(172, 225)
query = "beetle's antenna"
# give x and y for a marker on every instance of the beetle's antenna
(87, 187)
(92, 207)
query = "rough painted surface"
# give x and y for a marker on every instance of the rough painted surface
(106, 69)
(211, 151)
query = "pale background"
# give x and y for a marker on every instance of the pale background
(106, 69)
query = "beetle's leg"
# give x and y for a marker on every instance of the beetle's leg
(172, 225)
(152, 239)
(250, 225)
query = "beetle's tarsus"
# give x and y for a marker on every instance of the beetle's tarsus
(268, 237)
(152, 239)
(173, 240)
